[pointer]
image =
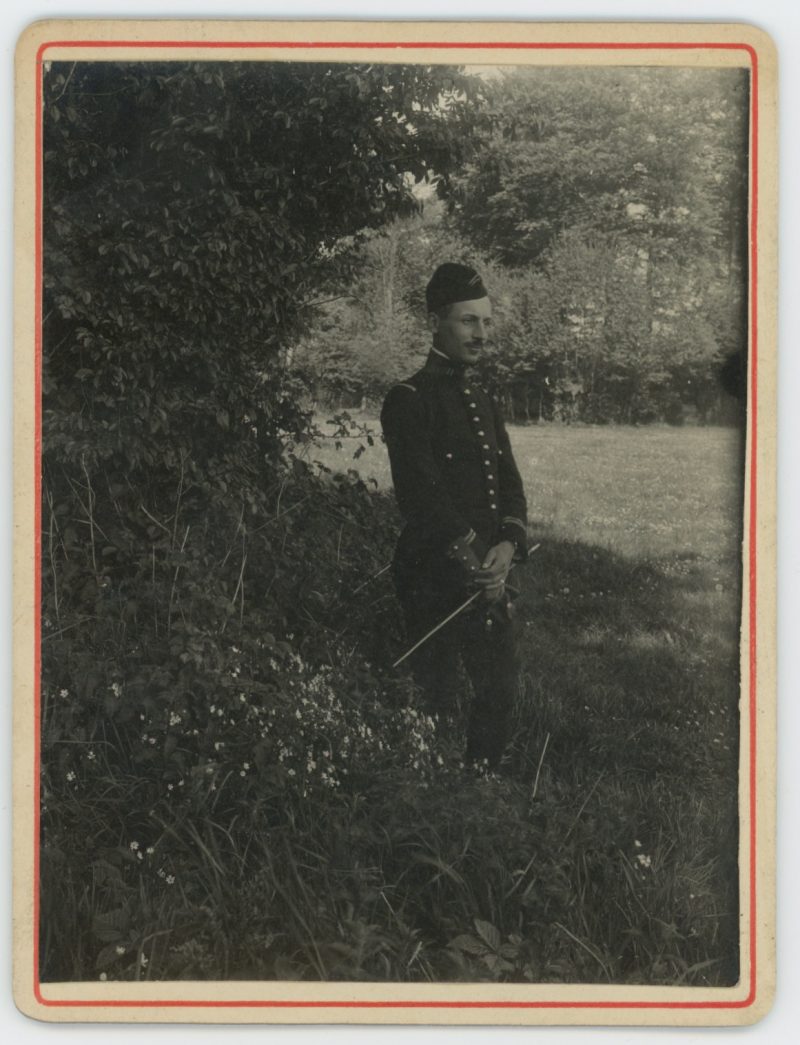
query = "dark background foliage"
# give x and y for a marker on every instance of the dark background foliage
(607, 210)
(188, 212)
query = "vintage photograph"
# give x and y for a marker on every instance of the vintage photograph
(394, 423)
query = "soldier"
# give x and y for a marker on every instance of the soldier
(463, 504)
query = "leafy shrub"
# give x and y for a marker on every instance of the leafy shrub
(193, 663)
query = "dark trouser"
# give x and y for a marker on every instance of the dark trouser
(482, 640)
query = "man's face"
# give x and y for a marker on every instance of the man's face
(466, 330)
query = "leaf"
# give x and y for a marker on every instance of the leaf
(442, 867)
(107, 956)
(488, 933)
(468, 944)
(103, 871)
(112, 925)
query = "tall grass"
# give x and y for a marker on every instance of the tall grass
(608, 854)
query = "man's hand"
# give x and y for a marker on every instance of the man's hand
(493, 572)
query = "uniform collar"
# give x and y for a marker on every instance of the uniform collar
(441, 365)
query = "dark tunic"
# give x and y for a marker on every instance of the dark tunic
(452, 465)
(455, 477)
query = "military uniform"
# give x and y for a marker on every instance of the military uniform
(457, 486)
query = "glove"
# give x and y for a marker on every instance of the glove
(494, 570)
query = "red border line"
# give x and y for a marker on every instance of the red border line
(385, 45)
(752, 419)
(334, 1004)
(37, 516)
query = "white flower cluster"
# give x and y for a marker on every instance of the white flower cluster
(316, 737)
(643, 859)
(310, 727)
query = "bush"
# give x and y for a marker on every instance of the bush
(199, 671)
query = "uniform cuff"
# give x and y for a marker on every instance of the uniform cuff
(462, 552)
(514, 530)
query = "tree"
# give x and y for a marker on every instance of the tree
(626, 189)
(654, 154)
(189, 209)
(373, 332)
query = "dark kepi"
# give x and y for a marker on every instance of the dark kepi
(452, 283)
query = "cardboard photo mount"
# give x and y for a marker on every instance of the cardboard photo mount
(454, 43)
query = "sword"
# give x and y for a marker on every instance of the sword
(447, 619)
(441, 624)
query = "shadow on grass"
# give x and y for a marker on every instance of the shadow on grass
(625, 743)
(631, 665)
(628, 723)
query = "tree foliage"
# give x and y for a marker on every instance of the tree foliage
(188, 210)
(607, 210)
(373, 331)
(657, 156)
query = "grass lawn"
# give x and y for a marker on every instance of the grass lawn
(627, 721)
(640, 492)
